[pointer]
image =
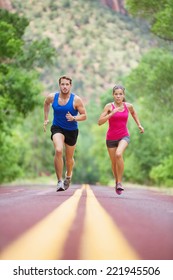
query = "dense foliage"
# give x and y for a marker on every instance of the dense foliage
(98, 48)
(158, 13)
(19, 87)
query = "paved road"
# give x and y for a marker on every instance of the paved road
(85, 223)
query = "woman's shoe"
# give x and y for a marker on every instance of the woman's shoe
(119, 188)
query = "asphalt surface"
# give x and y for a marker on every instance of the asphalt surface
(85, 223)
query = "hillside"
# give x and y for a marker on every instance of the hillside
(5, 4)
(95, 46)
(115, 5)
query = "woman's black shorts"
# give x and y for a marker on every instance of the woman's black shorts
(70, 135)
(114, 143)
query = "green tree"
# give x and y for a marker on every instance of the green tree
(19, 85)
(158, 13)
(152, 83)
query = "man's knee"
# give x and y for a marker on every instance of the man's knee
(58, 152)
(70, 161)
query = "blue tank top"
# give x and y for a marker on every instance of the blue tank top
(60, 111)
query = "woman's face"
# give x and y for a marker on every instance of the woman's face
(118, 95)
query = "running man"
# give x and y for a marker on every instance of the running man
(68, 110)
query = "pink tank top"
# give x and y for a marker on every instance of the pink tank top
(118, 124)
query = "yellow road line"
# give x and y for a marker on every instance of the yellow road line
(45, 240)
(102, 240)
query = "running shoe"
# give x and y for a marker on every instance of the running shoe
(67, 181)
(60, 186)
(119, 188)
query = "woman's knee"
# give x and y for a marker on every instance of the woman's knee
(118, 154)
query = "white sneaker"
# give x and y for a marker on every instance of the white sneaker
(60, 186)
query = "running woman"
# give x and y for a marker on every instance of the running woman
(117, 136)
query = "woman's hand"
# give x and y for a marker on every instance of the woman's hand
(141, 129)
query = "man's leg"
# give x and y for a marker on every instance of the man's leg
(69, 155)
(58, 141)
(69, 152)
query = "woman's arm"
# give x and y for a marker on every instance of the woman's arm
(135, 116)
(106, 114)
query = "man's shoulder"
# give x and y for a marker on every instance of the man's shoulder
(50, 97)
(78, 102)
(74, 94)
(76, 97)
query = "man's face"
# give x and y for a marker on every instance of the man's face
(65, 86)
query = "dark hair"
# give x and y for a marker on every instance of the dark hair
(119, 87)
(65, 77)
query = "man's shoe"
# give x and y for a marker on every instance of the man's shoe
(119, 188)
(67, 181)
(60, 186)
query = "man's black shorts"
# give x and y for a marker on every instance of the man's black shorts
(70, 135)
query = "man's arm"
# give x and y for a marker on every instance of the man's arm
(78, 105)
(81, 109)
(47, 102)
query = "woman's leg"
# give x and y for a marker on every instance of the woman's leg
(112, 152)
(119, 160)
(116, 156)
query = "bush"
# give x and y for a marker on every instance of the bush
(162, 174)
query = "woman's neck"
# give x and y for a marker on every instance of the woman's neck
(119, 104)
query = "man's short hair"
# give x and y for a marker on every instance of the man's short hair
(65, 77)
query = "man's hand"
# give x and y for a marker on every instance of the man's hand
(45, 124)
(69, 117)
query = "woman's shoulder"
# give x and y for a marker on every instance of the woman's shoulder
(109, 105)
(128, 105)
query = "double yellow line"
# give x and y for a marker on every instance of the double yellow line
(46, 239)
(101, 239)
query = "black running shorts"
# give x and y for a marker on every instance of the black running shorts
(114, 143)
(70, 135)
